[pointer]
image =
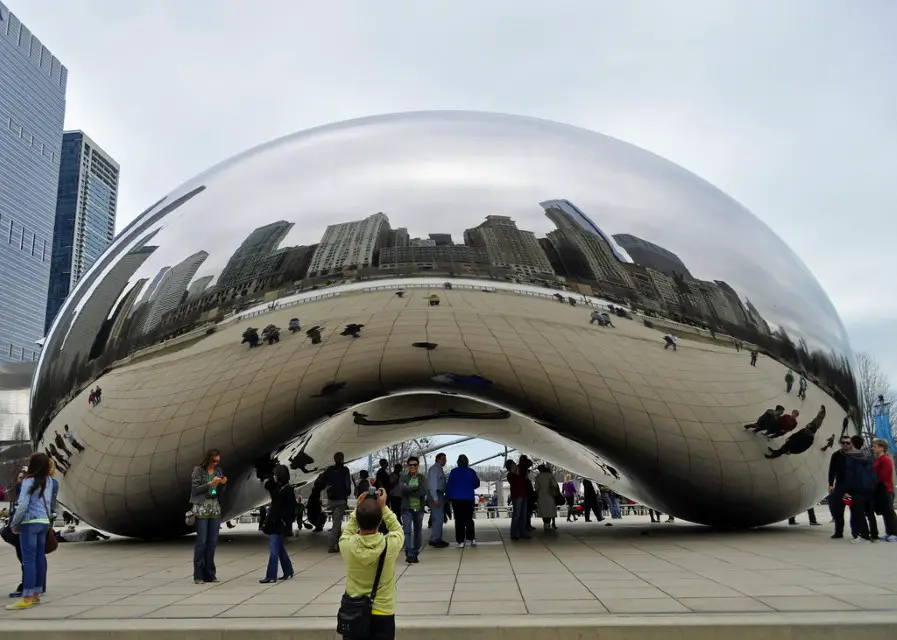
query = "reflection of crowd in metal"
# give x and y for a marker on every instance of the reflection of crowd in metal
(775, 423)
(58, 447)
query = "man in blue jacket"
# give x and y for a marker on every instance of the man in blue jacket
(461, 490)
(859, 482)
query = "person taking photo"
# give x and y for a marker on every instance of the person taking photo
(361, 546)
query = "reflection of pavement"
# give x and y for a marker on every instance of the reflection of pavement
(584, 569)
(158, 416)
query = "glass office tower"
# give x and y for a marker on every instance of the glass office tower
(85, 215)
(32, 110)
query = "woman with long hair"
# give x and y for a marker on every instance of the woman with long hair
(279, 523)
(31, 522)
(208, 483)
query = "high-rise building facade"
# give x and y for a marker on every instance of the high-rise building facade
(246, 262)
(651, 255)
(32, 111)
(510, 247)
(584, 248)
(350, 245)
(86, 203)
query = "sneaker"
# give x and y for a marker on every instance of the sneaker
(15, 594)
(415, 560)
(815, 524)
(408, 560)
(836, 536)
(21, 604)
(473, 543)
(460, 545)
(890, 539)
(860, 541)
(199, 582)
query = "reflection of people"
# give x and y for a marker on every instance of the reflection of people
(670, 341)
(802, 388)
(70, 534)
(787, 423)
(789, 381)
(801, 440)
(754, 355)
(769, 421)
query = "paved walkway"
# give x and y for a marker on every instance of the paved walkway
(583, 569)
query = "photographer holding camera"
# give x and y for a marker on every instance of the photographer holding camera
(367, 610)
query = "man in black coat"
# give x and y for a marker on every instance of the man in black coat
(836, 488)
(801, 440)
(590, 501)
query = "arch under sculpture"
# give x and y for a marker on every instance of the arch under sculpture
(448, 272)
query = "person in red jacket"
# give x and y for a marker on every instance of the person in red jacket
(883, 497)
(519, 494)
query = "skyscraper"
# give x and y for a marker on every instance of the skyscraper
(350, 245)
(652, 255)
(246, 262)
(32, 110)
(173, 288)
(85, 215)
(510, 247)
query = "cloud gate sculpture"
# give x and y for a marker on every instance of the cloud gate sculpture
(435, 273)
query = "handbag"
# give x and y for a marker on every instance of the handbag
(52, 542)
(353, 620)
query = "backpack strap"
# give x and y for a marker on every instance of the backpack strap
(379, 571)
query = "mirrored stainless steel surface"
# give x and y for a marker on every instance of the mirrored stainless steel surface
(447, 272)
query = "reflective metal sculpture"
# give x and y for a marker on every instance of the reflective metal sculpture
(362, 283)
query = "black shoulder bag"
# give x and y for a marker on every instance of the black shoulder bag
(353, 621)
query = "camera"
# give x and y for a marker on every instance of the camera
(372, 492)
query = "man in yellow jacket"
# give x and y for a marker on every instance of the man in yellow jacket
(360, 545)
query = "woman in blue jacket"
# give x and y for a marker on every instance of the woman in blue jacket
(462, 482)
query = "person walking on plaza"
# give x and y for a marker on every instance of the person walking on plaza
(208, 483)
(370, 559)
(519, 510)
(414, 494)
(437, 488)
(69, 435)
(338, 480)
(883, 496)
(802, 387)
(590, 502)
(754, 354)
(279, 523)
(548, 496)
(836, 468)
(789, 381)
(31, 521)
(461, 490)
(569, 491)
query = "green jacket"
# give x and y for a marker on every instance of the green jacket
(361, 555)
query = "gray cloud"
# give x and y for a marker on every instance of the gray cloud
(787, 107)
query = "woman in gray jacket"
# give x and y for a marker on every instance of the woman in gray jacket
(207, 483)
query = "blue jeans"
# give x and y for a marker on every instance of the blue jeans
(519, 518)
(438, 516)
(277, 552)
(204, 551)
(412, 522)
(33, 539)
(614, 504)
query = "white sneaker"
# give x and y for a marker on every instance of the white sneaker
(891, 539)
(460, 545)
(860, 541)
(473, 543)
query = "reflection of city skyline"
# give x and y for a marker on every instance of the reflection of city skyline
(577, 255)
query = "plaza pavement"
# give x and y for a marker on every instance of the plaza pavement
(585, 574)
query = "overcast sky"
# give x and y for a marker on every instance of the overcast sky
(786, 106)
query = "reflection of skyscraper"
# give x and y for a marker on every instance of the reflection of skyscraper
(85, 215)
(197, 288)
(124, 311)
(576, 217)
(510, 247)
(32, 109)
(651, 255)
(442, 239)
(350, 245)
(584, 250)
(756, 319)
(244, 265)
(89, 319)
(741, 315)
(153, 289)
(173, 288)
(399, 238)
